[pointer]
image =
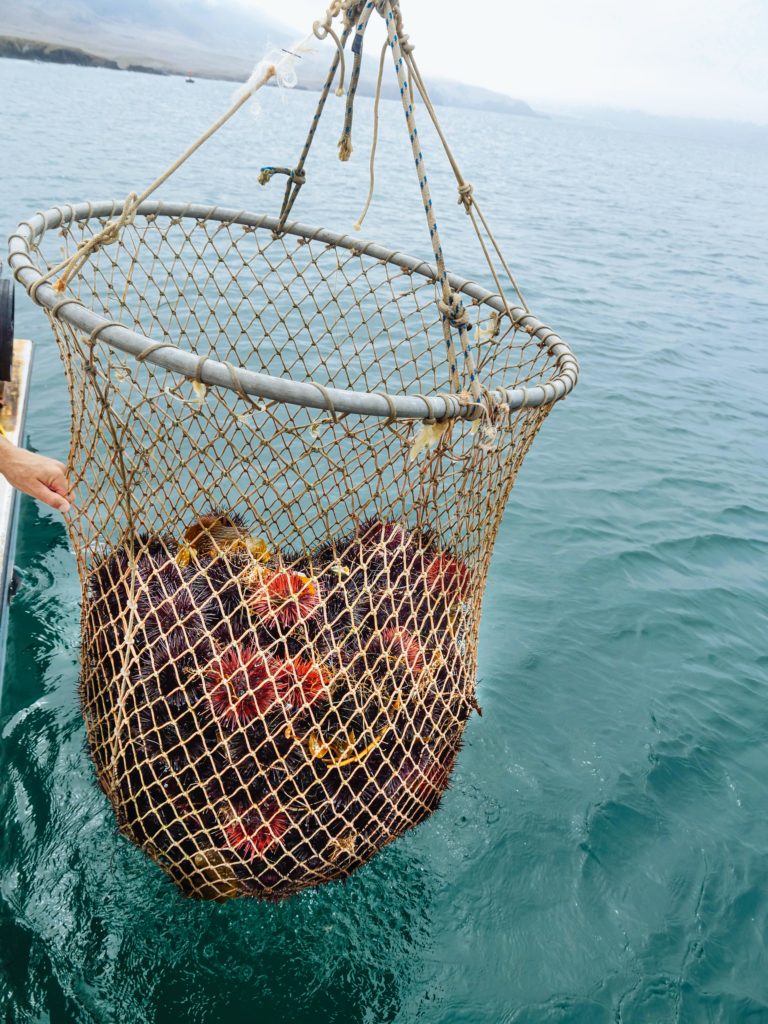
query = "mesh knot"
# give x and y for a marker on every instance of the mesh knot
(453, 310)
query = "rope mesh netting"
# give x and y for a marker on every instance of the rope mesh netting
(281, 601)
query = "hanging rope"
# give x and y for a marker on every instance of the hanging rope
(292, 188)
(453, 313)
(356, 15)
(345, 142)
(371, 167)
(466, 192)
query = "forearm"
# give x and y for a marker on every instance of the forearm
(36, 475)
(8, 452)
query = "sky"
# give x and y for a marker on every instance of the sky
(691, 58)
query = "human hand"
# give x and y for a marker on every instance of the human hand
(36, 475)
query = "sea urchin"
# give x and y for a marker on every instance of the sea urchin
(305, 681)
(448, 577)
(283, 598)
(255, 830)
(241, 684)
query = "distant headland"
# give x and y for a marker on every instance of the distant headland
(52, 53)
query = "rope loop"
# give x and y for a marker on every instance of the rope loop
(154, 346)
(392, 417)
(93, 339)
(201, 361)
(327, 398)
(237, 384)
(431, 418)
(33, 288)
(322, 29)
(54, 310)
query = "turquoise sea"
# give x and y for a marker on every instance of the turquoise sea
(602, 856)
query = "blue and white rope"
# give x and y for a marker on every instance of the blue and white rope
(451, 307)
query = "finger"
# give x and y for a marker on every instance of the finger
(50, 497)
(59, 483)
(62, 495)
(60, 486)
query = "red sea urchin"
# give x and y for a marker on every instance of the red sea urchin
(306, 682)
(241, 684)
(254, 831)
(403, 649)
(448, 577)
(283, 598)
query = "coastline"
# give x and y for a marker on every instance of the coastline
(17, 48)
(444, 92)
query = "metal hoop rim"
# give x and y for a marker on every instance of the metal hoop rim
(264, 386)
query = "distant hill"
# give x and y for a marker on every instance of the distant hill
(30, 49)
(221, 40)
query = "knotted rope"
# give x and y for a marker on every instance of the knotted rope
(109, 234)
(293, 187)
(451, 307)
(295, 177)
(345, 142)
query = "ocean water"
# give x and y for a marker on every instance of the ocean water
(602, 856)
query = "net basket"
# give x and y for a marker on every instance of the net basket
(286, 511)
